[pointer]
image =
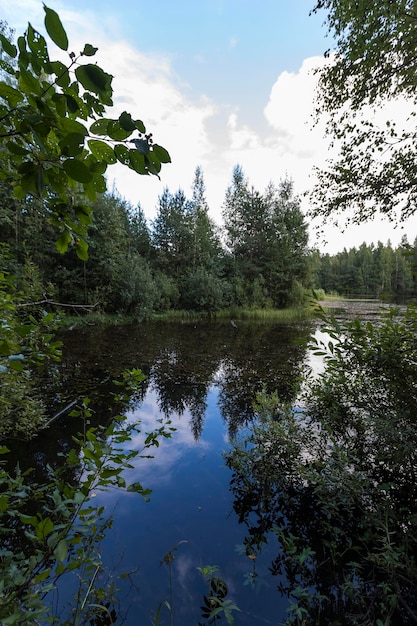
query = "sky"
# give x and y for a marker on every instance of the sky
(218, 83)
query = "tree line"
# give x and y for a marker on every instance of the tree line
(183, 261)
(371, 271)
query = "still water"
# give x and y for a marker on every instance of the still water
(204, 378)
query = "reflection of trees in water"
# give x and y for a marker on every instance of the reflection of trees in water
(180, 388)
(243, 362)
(335, 564)
(181, 360)
(264, 506)
(262, 357)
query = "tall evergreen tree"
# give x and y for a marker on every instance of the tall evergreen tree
(140, 233)
(267, 236)
(206, 241)
(172, 236)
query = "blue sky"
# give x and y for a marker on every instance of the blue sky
(218, 82)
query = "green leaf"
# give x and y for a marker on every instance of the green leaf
(7, 46)
(41, 577)
(44, 528)
(102, 151)
(77, 170)
(137, 162)
(23, 54)
(55, 29)
(28, 519)
(140, 126)
(94, 79)
(12, 95)
(67, 125)
(4, 503)
(63, 241)
(72, 103)
(82, 250)
(40, 181)
(60, 104)
(28, 182)
(126, 122)
(72, 144)
(115, 131)
(122, 153)
(83, 213)
(153, 163)
(161, 154)
(99, 127)
(62, 74)
(15, 148)
(99, 184)
(97, 167)
(61, 550)
(89, 50)
(38, 46)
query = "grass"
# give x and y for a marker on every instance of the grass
(280, 315)
(96, 319)
(233, 313)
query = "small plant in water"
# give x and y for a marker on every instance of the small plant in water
(216, 602)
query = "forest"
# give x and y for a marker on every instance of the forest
(183, 261)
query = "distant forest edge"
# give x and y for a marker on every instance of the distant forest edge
(183, 261)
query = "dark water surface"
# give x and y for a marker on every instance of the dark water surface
(204, 377)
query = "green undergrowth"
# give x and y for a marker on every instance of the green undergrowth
(280, 315)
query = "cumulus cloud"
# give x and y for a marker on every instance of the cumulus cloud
(148, 89)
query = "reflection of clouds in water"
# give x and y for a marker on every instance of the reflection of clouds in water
(185, 567)
(169, 451)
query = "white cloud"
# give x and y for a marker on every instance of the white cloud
(289, 111)
(147, 89)
(304, 146)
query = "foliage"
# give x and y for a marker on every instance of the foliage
(52, 169)
(372, 67)
(203, 291)
(216, 602)
(335, 480)
(51, 530)
(55, 147)
(267, 237)
(56, 141)
(26, 341)
(380, 271)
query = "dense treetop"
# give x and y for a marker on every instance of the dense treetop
(373, 63)
(56, 141)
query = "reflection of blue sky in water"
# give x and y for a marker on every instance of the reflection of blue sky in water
(190, 502)
(154, 472)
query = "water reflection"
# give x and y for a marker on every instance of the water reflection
(182, 361)
(204, 377)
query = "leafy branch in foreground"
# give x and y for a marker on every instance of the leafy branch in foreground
(56, 143)
(335, 481)
(368, 92)
(51, 530)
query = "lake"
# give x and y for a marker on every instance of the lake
(204, 377)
